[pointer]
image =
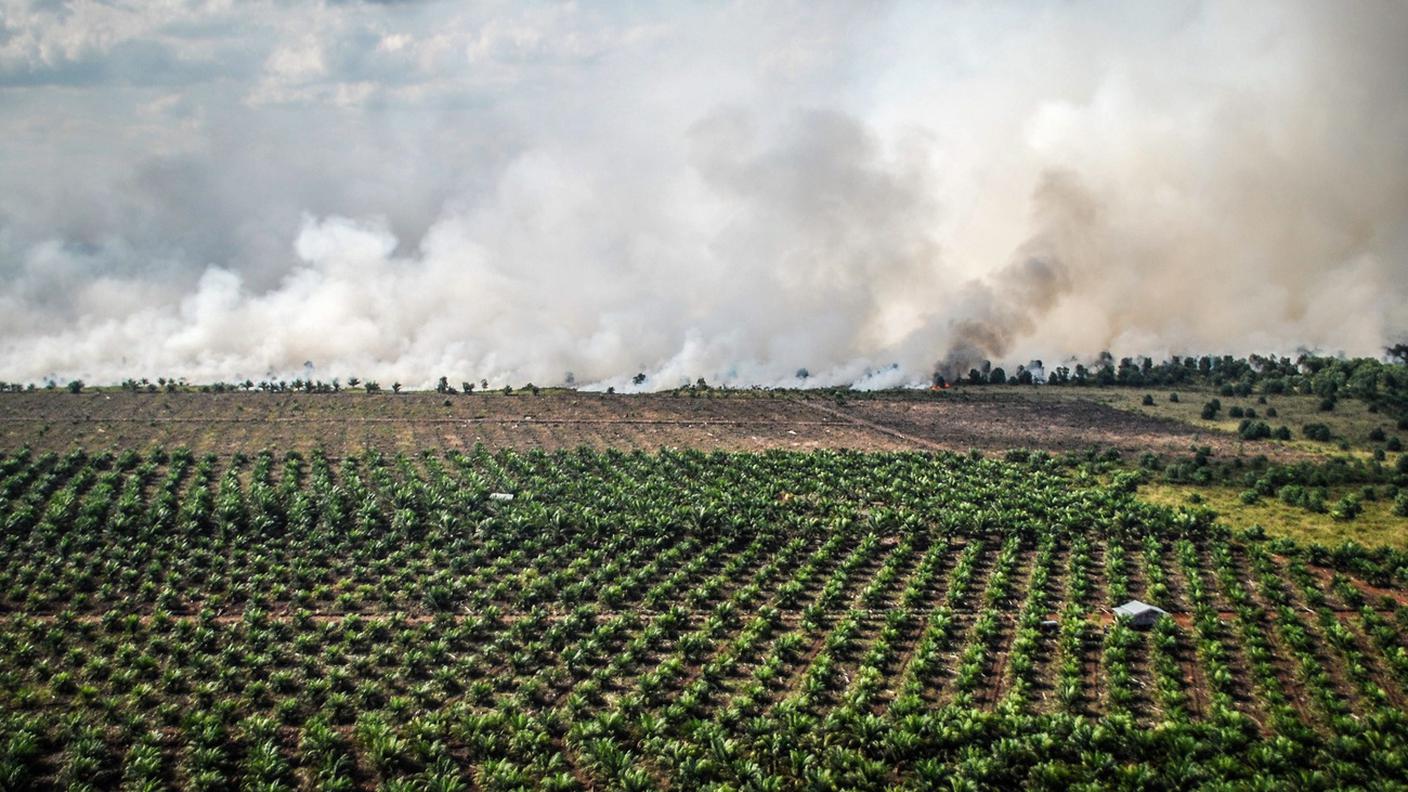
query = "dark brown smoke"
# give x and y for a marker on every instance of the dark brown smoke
(1002, 310)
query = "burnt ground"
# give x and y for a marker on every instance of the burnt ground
(735, 421)
(989, 420)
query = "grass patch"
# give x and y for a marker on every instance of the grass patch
(1350, 422)
(1377, 525)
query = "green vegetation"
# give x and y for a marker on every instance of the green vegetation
(831, 620)
(1211, 409)
(1266, 477)
(1305, 518)
(1317, 431)
(1287, 417)
(1374, 382)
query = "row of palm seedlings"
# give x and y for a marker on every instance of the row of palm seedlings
(680, 619)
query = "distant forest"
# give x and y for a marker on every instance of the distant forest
(1374, 381)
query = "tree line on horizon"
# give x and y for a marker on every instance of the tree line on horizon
(1372, 380)
(1329, 377)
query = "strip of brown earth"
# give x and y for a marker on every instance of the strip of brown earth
(859, 421)
(346, 423)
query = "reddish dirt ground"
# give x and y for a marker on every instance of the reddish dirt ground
(348, 422)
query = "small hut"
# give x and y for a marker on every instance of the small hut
(1139, 614)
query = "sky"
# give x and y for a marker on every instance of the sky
(551, 192)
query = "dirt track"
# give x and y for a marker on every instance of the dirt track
(347, 422)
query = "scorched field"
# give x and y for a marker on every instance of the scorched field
(680, 620)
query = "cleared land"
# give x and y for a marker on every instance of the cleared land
(346, 423)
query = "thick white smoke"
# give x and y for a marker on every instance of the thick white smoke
(406, 191)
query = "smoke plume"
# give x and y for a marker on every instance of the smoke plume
(400, 191)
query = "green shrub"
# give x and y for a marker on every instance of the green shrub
(1315, 501)
(1292, 495)
(1317, 431)
(1347, 508)
(1254, 430)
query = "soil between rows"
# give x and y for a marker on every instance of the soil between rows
(346, 423)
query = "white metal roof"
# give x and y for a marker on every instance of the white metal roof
(1135, 607)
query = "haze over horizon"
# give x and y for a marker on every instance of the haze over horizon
(507, 191)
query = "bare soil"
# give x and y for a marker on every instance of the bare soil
(988, 420)
(343, 423)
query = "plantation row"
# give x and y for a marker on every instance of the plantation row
(681, 620)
